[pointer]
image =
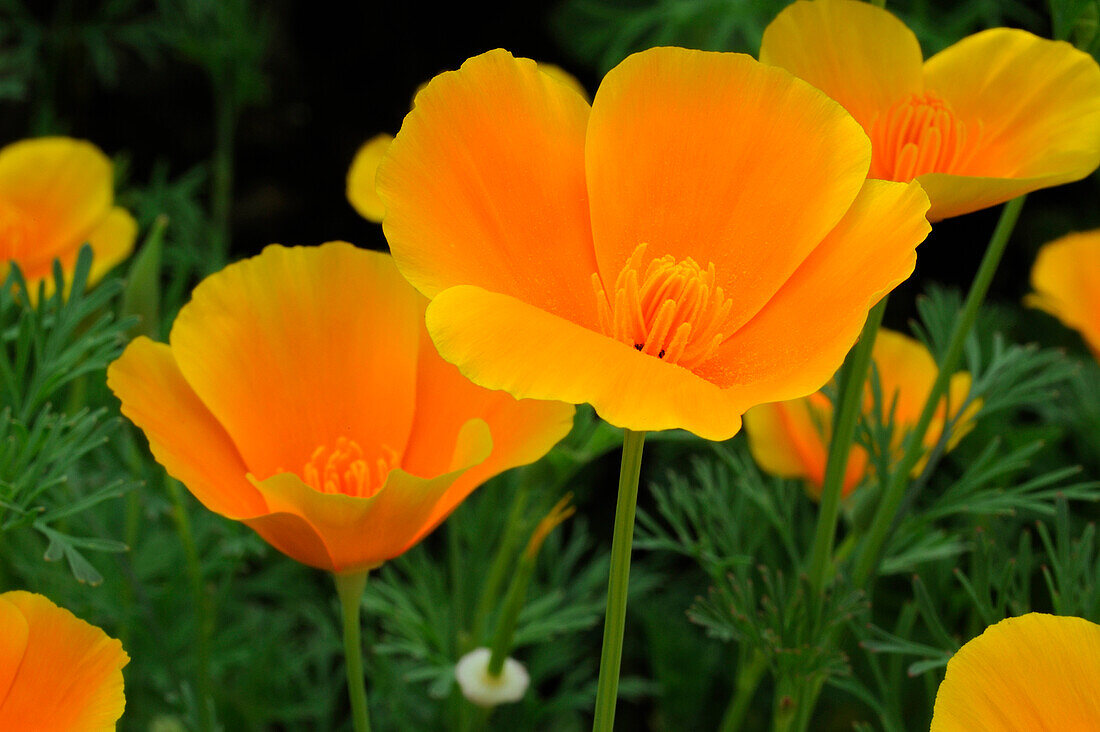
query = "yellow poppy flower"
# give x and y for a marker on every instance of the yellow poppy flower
(1066, 280)
(700, 240)
(998, 114)
(57, 672)
(791, 439)
(1034, 673)
(299, 394)
(56, 195)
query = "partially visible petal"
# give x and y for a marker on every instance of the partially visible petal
(522, 430)
(360, 184)
(707, 155)
(860, 55)
(562, 76)
(71, 674)
(500, 342)
(282, 351)
(1066, 280)
(361, 533)
(63, 186)
(183, 435)
(906, 372)
(784, 440)
(1034, 105)
(484, 185)
(111, 241)
(13, 643)
(1034, 672)
(799, 338)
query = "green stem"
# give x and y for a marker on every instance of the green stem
(883, 520)
(502, 562)
(349, 587)
(204, 621)
(850, 397)
(607, 690)
(509, 615)
(748, 678)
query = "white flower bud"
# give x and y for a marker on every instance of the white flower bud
(472, 674)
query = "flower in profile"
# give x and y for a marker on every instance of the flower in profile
(57, 672)
(300, 395)
(56, 194)
(700, 240)
(1033, 672)
(1066, 280)
(791, 439)
(998, 114)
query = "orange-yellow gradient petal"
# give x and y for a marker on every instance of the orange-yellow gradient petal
(360, 183)
(860, 55)
(69, 675)
(706, 155)
(501, 343)
(285, 353)
(183, 435)
(484, 185)
(55, 195)
(1066, 281)
(1032, 673)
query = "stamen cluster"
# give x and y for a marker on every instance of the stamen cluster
(919, 134)
(342, 468)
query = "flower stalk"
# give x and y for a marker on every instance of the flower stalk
(607, 689)
(349, 588)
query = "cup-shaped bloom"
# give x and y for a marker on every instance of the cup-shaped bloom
(1034, 672)
(56, 194)
(1066, 281)
(996, 115)
(57, 672)
(700, 240)
(791, 439)
(299, 394)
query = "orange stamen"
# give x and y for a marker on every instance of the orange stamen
(919, 134)
(672, 310)
(343, 469)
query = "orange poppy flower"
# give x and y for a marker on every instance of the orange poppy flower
(56, 195)
(1034, 672)
(57, 672)
(299, 394)
(791, 439)
(701, 240)
(1066, 280)
(996, 115)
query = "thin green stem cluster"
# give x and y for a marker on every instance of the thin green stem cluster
(349, 588)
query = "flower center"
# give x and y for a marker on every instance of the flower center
(670, 309)
(918, 135)
(342, 468)
(17, 231)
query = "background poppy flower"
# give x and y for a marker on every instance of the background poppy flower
(57, 672)
(1034, 672)
(699, 241)
(56, 195)
(1066, 280)
(791, 439)
(998, 114)
(300, 395)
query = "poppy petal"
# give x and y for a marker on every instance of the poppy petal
(1066, 280)
(860, 55)
(396, 513)
(360, 184)
(111, 241)
(706, 155)
(70, 677)
(183, 435)
(282, 352)
(13, 643)
(1036, 106)
(1033, 672)
(784, 442)
(500, 342)
(484, 185)
(792, 347)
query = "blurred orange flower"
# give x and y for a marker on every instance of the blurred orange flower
(56, 195)
(300, 394)
(996, 115)
(791, 439)
(57, 672)
(1034, 672)
(701, 240)
(1066, 280)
